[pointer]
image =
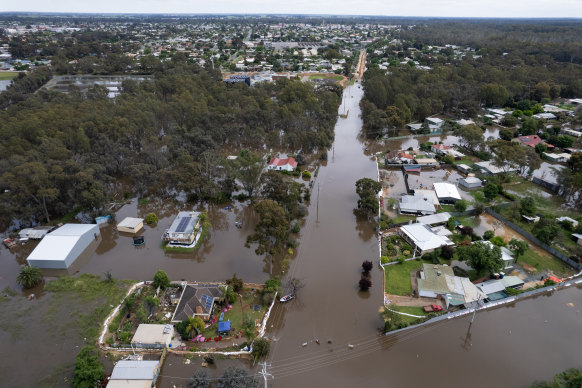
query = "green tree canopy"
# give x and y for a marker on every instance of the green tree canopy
(481, 257)
(368, 190)
(161, 279)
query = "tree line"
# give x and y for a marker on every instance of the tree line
(65, 151)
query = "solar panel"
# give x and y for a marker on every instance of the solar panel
(208, 303)
(203, 298)
(182, 225)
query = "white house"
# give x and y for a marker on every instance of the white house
(59, 249)
(464, 168)
(506, 255)
(557, 158)
(545, 116)
(416, 204)
(422, 238)
(446, 192)
(152, 336)
(277, 164)
(134, 374)
(434, 121)
(184, 229)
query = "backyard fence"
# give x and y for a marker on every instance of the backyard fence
(533, 239)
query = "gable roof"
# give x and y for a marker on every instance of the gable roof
(533, 140)
(416, 203)
(434, 218)
(283, 162)
(446, 190)
(193, 298)
(423, 237)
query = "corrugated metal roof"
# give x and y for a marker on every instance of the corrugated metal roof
(134, 370)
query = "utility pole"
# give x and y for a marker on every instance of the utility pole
(264, 372)
(317, 206)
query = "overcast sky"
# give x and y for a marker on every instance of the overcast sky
(455, 8)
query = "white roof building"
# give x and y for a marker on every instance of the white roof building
(130, 225)
(470, 182)
(134, 374)
(59, 249)
(439, 218)
(416, 204)
(434, 121)
(152, 336)
(423, 238)
(446, 192)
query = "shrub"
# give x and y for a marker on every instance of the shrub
(29, 277)
(461, 205)
(401, 259)
(364, 284)
(488, 235)
(151, 219)
(447, 252)
(296, 228)
(125, 336)
(260, 348)
(498, 241)
(89, 371)
(367, 266)
(306, 174)
(235, 283)
(384, 259)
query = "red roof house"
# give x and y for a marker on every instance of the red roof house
(289, 164)
(533, 140)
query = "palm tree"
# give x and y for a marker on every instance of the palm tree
(29, 277)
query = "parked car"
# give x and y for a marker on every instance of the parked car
(432, 308)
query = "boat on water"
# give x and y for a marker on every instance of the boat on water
(287, 298)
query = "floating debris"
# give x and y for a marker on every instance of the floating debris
(350, 346)
(570, 304)
(304, 344)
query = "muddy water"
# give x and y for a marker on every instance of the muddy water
(335, 242)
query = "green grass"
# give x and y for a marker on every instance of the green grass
(467, 160)
(398, 277)
(402, 218)
(88, 289)
(7, 75)
(237, 313)
(409, 310)
(545, 262)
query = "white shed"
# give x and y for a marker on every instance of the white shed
(447, 192)
(59, 249)
(130, 225)
(470, 182)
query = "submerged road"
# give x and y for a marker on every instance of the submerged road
(509, 346)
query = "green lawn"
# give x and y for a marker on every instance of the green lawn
(409, 310)
(398, 277)
(467, 160)
(237, 313)
(402, 218)
(7, 75)
(468, 221)
(545, 261)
